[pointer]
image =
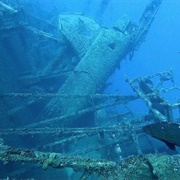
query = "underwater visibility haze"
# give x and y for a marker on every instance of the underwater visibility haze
(90, 89)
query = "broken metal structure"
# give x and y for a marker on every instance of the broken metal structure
(63, 72)
(83, 56)
(109, 142)
(161, 109)
(146, 167)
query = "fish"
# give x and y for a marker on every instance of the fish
(167, 132)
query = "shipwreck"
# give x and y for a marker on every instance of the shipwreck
(55, 68)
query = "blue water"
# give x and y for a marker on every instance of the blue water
(159, 52)
(28, 55)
